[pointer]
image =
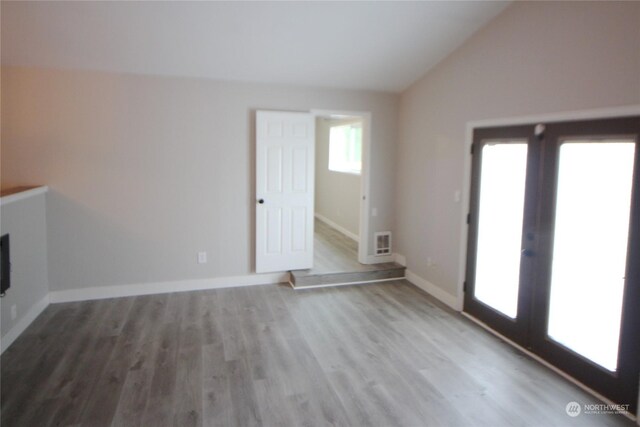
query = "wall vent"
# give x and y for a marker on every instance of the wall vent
(383, 243)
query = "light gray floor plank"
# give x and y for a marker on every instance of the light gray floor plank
(374, 355)
(160, 406)
(246, 411)
(216, 397)
(333, 252)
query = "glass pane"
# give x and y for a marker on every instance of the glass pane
(502, 185)
(590, 247)
(345, 148)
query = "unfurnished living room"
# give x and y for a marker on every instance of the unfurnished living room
(310, 213)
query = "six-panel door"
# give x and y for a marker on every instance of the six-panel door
(284, 191)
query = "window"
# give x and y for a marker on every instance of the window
(345, 148)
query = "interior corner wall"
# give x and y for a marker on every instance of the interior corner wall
(146, 171)
(534, 58)
(337, 195)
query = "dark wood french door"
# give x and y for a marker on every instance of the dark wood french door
(553, 259)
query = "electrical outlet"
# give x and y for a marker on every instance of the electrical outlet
(202, 257)
(14, 312)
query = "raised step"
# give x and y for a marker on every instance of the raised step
(378, 273)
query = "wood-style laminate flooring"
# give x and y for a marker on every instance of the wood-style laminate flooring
(381, 354)
(333, 252)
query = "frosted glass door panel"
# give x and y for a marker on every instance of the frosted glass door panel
(590, 247)
(502, 188)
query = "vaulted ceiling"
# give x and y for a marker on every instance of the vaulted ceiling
(377, 45)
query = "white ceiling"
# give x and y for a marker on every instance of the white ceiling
(359, 45)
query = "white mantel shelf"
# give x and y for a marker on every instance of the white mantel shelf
(20, 193)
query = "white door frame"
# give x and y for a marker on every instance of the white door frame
(365, 175)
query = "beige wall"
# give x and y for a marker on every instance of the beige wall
(25, 221)
(337, 193)
(534, 58)
(147, 171)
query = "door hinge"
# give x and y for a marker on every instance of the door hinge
(468, 218)
(464, 286)
(472, 148)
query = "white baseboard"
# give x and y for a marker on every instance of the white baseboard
(103, 292)
(433, 290)
(401, 259)
(23, 323)
(338, 227)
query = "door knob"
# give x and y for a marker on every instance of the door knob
(527, 252)
(261, 201)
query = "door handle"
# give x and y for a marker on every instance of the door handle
(527, 252)
(261, 201)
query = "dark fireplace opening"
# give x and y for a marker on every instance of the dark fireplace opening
(5, 265)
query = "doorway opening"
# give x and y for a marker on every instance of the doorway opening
(338, 188)
(286, 194)
(341, 226)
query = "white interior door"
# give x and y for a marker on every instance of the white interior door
(285, 162)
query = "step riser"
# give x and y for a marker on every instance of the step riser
(345, 278)
(344, 284)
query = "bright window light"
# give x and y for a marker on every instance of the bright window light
(345, 148)
(502, 185)
(590, 247)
